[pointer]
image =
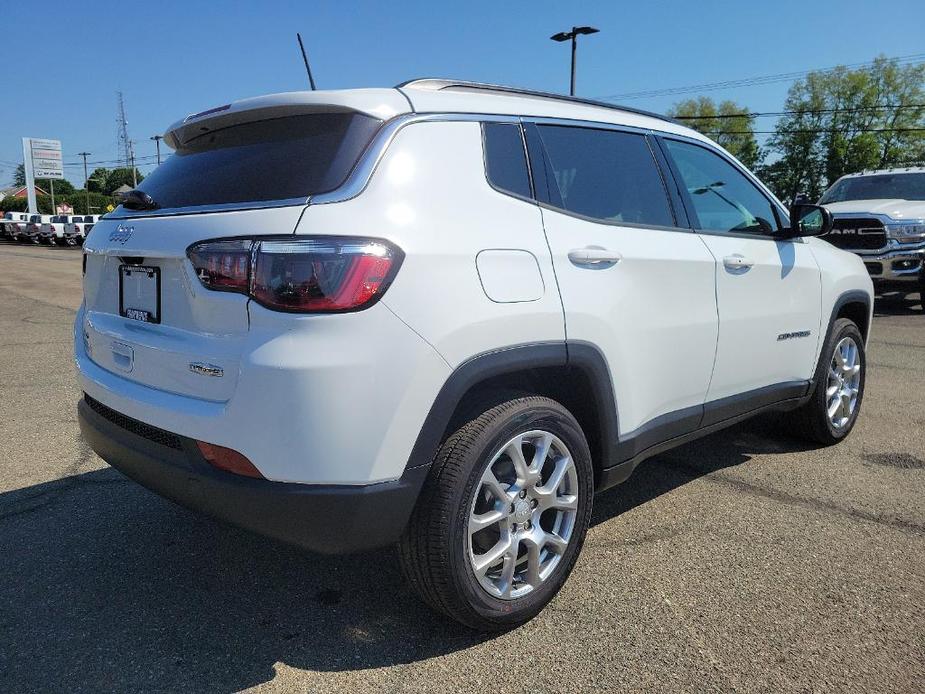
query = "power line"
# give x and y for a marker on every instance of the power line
(752, 81)
(138, 160)
(810, 131)
(763, 114)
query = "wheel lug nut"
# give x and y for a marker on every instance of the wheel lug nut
(533, 503)
(523, 493)
(528, 525)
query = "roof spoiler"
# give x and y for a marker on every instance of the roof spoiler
(378, 103)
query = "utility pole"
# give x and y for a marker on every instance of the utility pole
(573, 36)
(131, 149)
(51, 183)
(86, 179)
(157, 143)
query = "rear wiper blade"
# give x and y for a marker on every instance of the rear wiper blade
(139, 200)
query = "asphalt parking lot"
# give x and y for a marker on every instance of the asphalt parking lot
(746, 561)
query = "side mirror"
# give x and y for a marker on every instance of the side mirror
(809, 220)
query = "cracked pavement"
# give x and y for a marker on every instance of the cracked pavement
(746, 561)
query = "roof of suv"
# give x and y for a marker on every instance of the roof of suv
(421, 96)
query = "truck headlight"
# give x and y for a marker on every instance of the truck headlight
(913, 230)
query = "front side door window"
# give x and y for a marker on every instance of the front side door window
(724, 200)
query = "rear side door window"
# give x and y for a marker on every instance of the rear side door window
(606, 175)
(722, 197)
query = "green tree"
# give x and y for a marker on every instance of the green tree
(97, 180)
(19, 178)
(120, 177)
(62, 186)
(728, 124)
(843, 121)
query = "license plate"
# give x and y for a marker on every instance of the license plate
(140, 293)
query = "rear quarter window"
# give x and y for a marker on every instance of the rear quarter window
(505, 159)
(276, 159)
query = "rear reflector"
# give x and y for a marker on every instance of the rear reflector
(228, 460)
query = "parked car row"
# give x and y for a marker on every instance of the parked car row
(60, 229)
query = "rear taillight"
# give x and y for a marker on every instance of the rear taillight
(316, 274)
(223, 265)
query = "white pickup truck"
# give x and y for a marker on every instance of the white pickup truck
(880, 215)
(52, 231)
(77, 230)
(12, 224)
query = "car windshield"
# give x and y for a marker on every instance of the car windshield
(898, 186)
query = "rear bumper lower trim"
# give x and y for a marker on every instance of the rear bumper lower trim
(331, 519)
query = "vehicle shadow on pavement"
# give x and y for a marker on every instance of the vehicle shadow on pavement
(107, 586)
(897, 303)
(668, 471)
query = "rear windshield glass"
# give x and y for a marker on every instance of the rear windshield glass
(277, 159)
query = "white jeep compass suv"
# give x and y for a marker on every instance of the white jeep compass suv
(444, 315)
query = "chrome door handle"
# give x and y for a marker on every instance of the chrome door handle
(737, 262)
(594, 257)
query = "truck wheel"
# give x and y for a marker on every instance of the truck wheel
(922, 291)
(502, 516)
(833, 407)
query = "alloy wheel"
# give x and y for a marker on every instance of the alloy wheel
(523, 514)
(844, 382)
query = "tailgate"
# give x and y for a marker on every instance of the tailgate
(188, 329)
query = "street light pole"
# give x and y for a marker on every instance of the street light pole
(573, 37)
(157, 143)
(86, 179)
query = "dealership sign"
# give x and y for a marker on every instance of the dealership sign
(41, 159)
(46, 158)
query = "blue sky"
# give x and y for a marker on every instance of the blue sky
(174, 58)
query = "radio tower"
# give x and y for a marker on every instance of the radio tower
(125, 144)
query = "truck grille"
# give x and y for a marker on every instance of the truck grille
(857, 234)
(146, 431)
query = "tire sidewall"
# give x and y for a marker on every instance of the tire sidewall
(529, 417)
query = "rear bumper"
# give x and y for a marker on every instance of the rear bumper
(331, 519)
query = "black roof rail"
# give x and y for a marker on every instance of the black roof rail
(438, 84)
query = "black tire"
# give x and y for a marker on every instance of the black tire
(922, 291)
(811, 420)
(434, 550)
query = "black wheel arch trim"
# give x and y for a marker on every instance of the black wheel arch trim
(468, 375)
(852, 296)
